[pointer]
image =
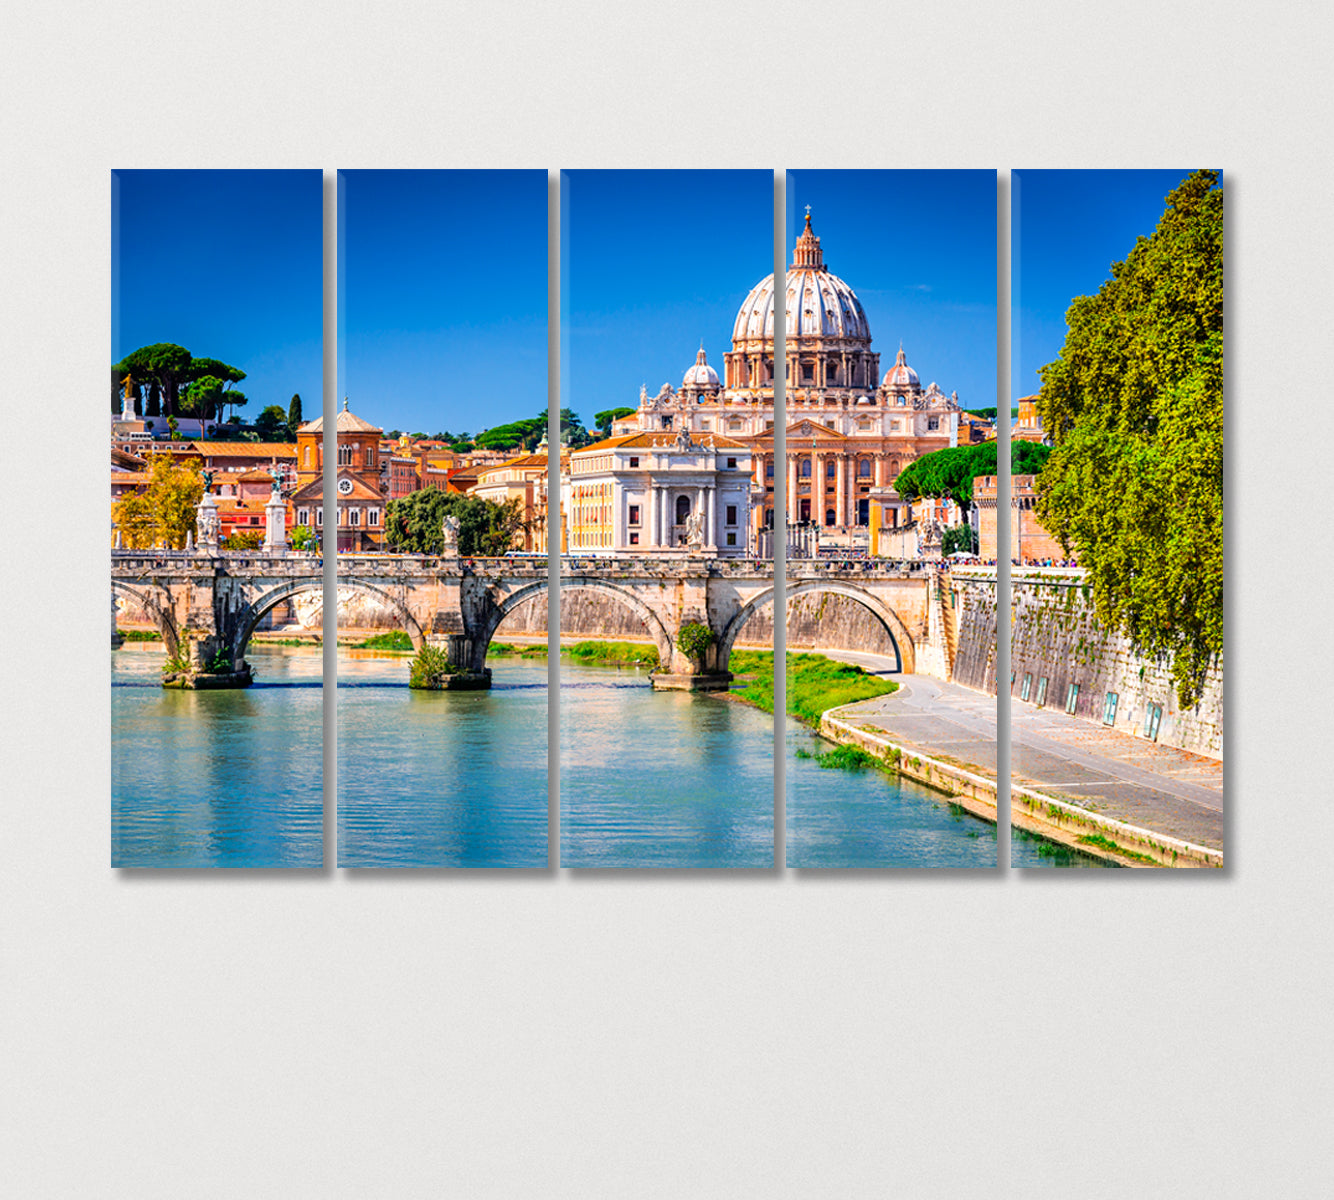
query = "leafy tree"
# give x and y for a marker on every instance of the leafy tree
(1134, 405)
(271, 424)
(165, 510)
(244, 539)
(959, 537)
(294, 421)
(602, 420)
(413, 524)
(303, 537)
(164, 367)
(951, 472)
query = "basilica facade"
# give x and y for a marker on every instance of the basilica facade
(848, 428)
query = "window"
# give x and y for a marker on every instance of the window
(807, 371)
(769, 470)
(734, 425)
(1109, 709)
(731, 464)
(319, 516)
(634, 538)
(933, 423)
(344, 456)
(370, 457)
(1042, 692)
(307, 458)
(731, 539)
(634, 516)
(1071, 698)
(372, 516)
(1026, 687)
(303, 516)
(682, 509)
(829, 516)
(705, 423)
(731, 514)
(634, 460)
(254, 520)
(666, 422)
(864, 469)
(831, 469)
(805, 468)
(1153, 718)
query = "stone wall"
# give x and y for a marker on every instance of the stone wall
(975, 653)
(1058, 637)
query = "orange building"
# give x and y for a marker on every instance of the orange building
(1029, 541)
(357, 514)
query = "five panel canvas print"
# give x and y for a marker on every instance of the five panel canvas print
(839, 424)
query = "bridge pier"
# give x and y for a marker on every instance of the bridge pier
(207, 664)
(702, 681)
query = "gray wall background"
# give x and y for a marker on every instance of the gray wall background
(929, 1034)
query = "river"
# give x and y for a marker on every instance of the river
(459, 779)
(217, 779)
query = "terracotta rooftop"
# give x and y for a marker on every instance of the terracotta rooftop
(663, 440)
(246, 449)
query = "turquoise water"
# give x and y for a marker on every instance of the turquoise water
(459, 779)
(217, 779)
(441, 779)
(661, 779)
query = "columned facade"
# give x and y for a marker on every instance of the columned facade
(860, 429)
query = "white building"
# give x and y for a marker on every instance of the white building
(646, 493)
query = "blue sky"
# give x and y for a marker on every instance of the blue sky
(227, 264)
(656, 260)
(919, 249)
(442, 305)
(651, 263)
(1068, 228)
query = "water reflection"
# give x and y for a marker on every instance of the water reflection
(217, 779)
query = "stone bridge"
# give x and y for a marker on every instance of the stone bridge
(207, 604)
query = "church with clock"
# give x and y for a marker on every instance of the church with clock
(356, 519)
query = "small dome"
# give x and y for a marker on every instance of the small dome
(901, 375)
(701, 375)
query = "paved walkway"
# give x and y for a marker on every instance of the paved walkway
(1108, 772)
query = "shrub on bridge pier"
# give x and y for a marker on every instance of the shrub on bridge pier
(430, 668)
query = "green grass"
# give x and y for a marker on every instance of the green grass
(621, 654)
(815, 683)
(510, 650)
(394, 640)
(1103, 843)
(140, 635)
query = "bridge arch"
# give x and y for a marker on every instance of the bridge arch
(662, 639)
(257, 609)
(157, 606)
(904, 650)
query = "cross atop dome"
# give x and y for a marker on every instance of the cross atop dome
(807, 253)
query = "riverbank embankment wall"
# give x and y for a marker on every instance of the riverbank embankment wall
(1059, 644)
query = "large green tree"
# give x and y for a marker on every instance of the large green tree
(294, 421)
(1134, 405)
(950, 472)
(163, 368)
(413, 524)
(271, 424)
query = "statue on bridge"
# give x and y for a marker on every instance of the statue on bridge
(449, 532)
